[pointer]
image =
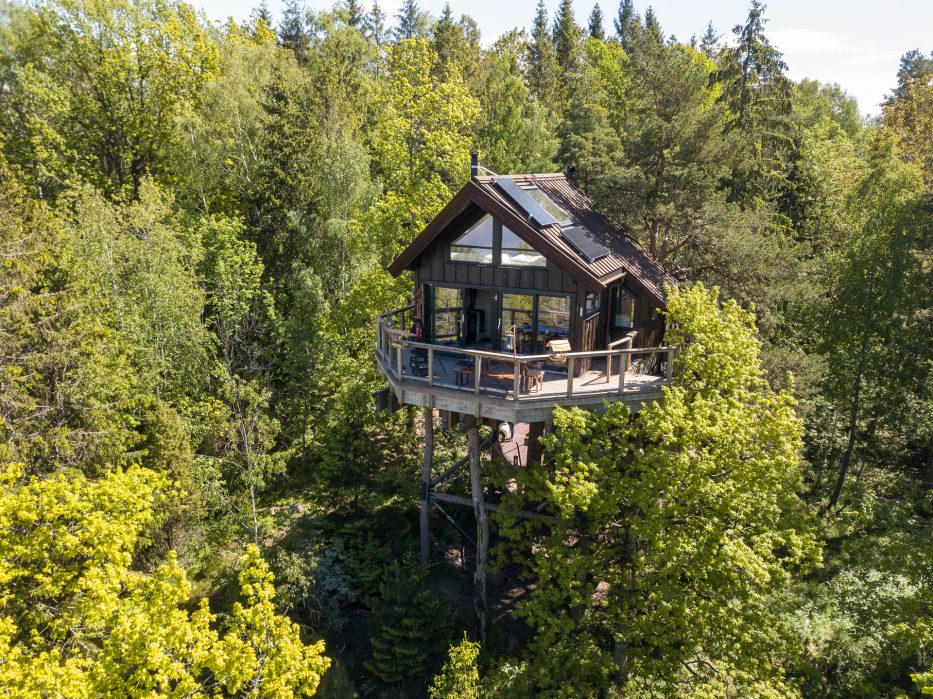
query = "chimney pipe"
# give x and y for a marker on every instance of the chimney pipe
(474, 164)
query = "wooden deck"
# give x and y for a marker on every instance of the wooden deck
(498, 394)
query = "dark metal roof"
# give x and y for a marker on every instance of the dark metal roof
(625, 258)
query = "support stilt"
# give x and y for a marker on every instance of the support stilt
(535, 432)
(482, 530)
(426, 485)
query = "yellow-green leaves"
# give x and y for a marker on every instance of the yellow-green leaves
(77, 621)
(673, 526)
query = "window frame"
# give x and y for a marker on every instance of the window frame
(496, 249)
(620, 294)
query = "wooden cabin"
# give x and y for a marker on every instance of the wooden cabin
(488, 272)
(525, 298)
(523, 273)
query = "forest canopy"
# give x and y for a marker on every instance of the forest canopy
(198, 496)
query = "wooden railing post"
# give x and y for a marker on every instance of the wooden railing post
(670, 365)
(430, 366)
(399, 371)
(477, 374)
(516, 379)
(608, 365)
(623, 362)
(569, 376)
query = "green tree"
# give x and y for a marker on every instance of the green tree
(908, 112)
(459, 678)
(595, 24)
(292, 32)
(514, 133)
(625, 19)
(409, 628)
(758, 95)
(542, 61)
(421, 144)
(567, 36)
(875, 342)
(412, 22)
(684, 519)
(92, 626)
(95, 89)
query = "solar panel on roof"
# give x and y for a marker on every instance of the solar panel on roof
(521, 197)
(584, 243)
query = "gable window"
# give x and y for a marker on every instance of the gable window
(623, 309)
(476, 245)
(517, 253)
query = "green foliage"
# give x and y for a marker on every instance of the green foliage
(106, 116)
(684, 519)
(459, 678)
(410, 628)
(195, 220)
(77, 618)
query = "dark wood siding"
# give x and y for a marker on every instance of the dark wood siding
(434, 266)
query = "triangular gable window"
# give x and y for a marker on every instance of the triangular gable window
(476, 245)
(517, 253)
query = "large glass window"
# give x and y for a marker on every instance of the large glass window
(517, 253)
(446, 315)
(548, 205)
(623, 309)
(476, 245)
(553, 320)
(518, 322)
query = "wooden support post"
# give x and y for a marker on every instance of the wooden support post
(623, 362)
(609, 365)
(482, 530)
(535, 432)
(516, 379)
(426, 484)
(569, 377)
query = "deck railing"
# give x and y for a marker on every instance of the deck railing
(395, 343)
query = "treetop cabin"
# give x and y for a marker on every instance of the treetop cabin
(525, 297)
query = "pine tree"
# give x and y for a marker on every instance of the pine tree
(541, 61)
(653, 26)
(709, 42)
(567, 35)
(624, 21)
(262, 14)
(757, 91)
(596, 23)
(412, 22)
(409, 626)
(355, 16)
(292, 32)
(374, 25)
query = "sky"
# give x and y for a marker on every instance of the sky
(855, 43)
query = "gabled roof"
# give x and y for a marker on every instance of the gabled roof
(626, 259)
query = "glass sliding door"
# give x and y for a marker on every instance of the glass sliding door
(553, 320)
(446, 315)
(518, 322)
(537, 319)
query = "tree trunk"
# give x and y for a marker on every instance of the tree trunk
(482, 532)
(853, 425)
(426, 484)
